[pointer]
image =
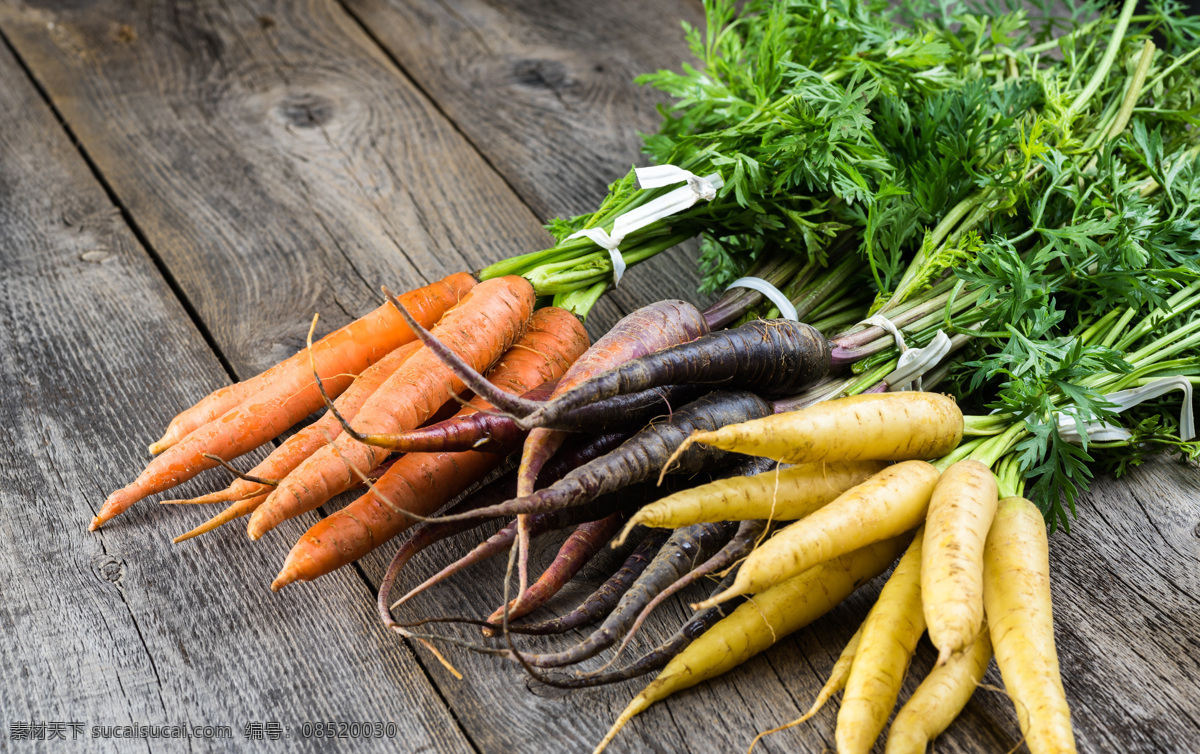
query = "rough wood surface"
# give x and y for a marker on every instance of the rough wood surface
(544, 90)
(120, 627)
(277, 161)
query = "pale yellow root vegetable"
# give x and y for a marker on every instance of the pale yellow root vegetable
(939, 699)
(758, 624)
(961, 510)
(886, 505)
(1016, 599)
(780, 495)
(876, 426)
(836, 682)
(889, 637)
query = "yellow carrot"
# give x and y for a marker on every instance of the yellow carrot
(759, 623)
(886, 505)
(876, 426)
(889, 637)
(939, 699)
(1016, 599)
(961, 510)
(780, 495)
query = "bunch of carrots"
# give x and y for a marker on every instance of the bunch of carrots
(1038, 223)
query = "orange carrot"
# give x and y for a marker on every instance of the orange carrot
(480, 329)
(422, 482)
(286, 401)
(247, 505)
(312, 438)
(357, 345)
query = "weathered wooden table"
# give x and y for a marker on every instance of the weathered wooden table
(183, 184)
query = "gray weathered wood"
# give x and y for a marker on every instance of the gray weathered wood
(121, 627)
(272, 156)
(544, 89)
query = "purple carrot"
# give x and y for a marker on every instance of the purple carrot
(652, 660)
(769, 357)
(651, 328)
(743, 542)
(676, 558)
(641, 457)
(587, 540)
(499, 433)
(623, 503)
(578, 453)
(605, 598)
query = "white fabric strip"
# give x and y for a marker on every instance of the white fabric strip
(668, 204)
(1126, 399)
(786, 309)
(612, 245)
(914, 362)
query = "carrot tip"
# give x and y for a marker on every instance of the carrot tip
(285, 577)
(717, 599)
(944, 656)
(95, 524)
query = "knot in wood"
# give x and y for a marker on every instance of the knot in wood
(541, 74)
(110, 569)
(306, 110)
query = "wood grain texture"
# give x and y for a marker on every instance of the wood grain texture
(120, 627)
(272, 156)
(544, 90)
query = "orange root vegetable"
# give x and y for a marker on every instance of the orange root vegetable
(481, 328)
(939, 699)
(875, 426)
(264, 416)
(961, 510)
(349, 349)
(759, 623)
(889, 637)
(1016, 599)
(297, 448)
(423, 482)
(886, 505)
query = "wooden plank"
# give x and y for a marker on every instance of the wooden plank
(272, 156)
(120, 627)
(544, 89)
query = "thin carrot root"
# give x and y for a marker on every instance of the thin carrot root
(233, 512)
(737, 548)
(836, 682)
(756, 625)
(588, 539)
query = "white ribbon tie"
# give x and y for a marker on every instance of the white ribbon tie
(914, 362)
(786, 309)
(1102, 431)
(696, 188)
